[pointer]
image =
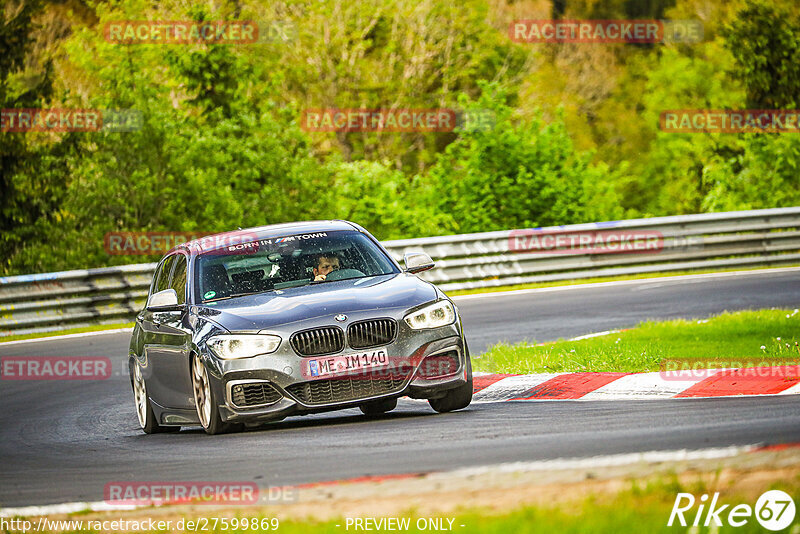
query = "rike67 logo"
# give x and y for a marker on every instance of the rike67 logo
(774, 510)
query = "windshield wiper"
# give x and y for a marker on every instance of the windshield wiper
(340, 279)
(238, 295)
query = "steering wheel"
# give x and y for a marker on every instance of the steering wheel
(341, 274)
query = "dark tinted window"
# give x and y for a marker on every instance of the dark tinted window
(162, 282)
(179, 278)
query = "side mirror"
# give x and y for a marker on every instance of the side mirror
(416, 262)
(166, 300)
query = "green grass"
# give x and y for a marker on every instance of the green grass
(642, 507)
(587, 518)
(595, 280)
(627, 513)
(80, 330)
(729, 337)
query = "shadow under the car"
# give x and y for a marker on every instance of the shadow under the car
(348, 416)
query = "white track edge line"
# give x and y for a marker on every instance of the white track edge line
(623, 282)
(67, 336)
(595, 334)
(610, 460)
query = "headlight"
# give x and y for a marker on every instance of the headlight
(229, 347)
(433, 316)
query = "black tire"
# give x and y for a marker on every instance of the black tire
(151, 426)
(217, 425)
(147, 418)
(154, 427)
(378, 407)
(214, 424)
(457, 398)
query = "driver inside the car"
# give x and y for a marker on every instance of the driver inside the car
(325, 264)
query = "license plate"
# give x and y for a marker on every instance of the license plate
(347, 363)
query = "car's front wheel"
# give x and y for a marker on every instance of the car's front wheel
(144, 411)
(205, 401)
(456, 398)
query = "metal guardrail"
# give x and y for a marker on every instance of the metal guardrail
(757, 238)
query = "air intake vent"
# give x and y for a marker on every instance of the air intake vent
(251, 394)
(318, 341)
(372, 333)
(348, 389)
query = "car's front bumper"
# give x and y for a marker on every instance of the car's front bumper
(427, 377)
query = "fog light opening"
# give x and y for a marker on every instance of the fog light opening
(439, 365)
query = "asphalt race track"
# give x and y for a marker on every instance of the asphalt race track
(62, 441)
(546, 315)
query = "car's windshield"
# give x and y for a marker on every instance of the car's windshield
(288, 261)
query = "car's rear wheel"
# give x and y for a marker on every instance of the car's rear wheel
(456, 398)
(144, 411)
(205, 401)
(378, 407)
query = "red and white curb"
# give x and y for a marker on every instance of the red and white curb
(783, 380)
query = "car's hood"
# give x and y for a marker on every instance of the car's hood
(265, 310)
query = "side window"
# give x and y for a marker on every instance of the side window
(162, 282)
(156, 275)
(178, 282)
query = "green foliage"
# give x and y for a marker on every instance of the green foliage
(575, 139)
(765, 39)
(518, 174)
(29, 170)
(671, 177)
(752, 171)
(383, 200)
(765, 174)
(392, 54)
(699, 172)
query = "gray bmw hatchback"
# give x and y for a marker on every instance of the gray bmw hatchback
(252, 326)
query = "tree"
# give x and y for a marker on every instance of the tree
(31, 165)
(519, 174)
(765, 40)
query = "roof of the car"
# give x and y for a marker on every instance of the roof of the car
(267, 232)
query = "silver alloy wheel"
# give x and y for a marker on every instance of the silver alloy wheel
(202, 391)
(140, 395)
